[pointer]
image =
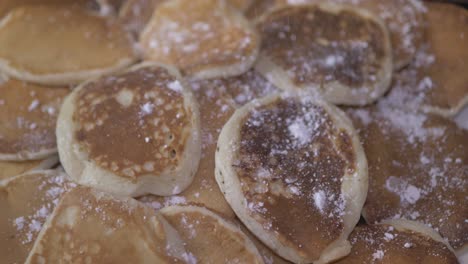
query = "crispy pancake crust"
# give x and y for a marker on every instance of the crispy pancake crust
(70, 45)
(268, 151)
(89, 226)
(203, 230)
(205, 38)
(133, 133)
(28, 115)
(398, 241)
(26, 201)
(342, 52)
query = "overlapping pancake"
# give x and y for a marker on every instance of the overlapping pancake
(204, 38)
(202, 230)
(28, 115)
(8, 5)
(26, 201)
(89, 226)
(342, 52)
(10, 169)
(292, 169)
(398, 241)
(132, 133)
(70, 45)
(215, 109)
(135, 14)
(242, 5)
(418, 169)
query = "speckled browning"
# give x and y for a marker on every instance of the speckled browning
(315, 46)
(134, 123)
(386, 245)
(290, 166)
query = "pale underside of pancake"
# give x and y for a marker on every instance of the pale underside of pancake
(70, 45)
(341, 52)
(398, 241)
(403, 18)
(216, 107)
(205, 39)
(418, 167)
(135, 14)
(203, 230)
(134, 133)
(270, 189)
(28, 115)
(26, 201)
(10, 169)
(89, 226)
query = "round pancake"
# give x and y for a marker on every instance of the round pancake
(202, 230)
(89, 226)
(215, 109)
(135, 14)
(205, 38)
(10, 169)
(418, 167)
(28, 115)
(292, 169)
(402, 242)
(342, 52)
(26, 201)
(132, 133)
(70, 45)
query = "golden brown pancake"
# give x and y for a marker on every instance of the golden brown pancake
(418, 167)
(342, 52)
(242, 5)
(402, 242)
(26, 201)
(28, 115)
(132, 133)
(292, 169)
(10, 169)
(135, 14)
(70, 45)
(8, 5)
(89, 226)
(205, 38)
(203, 232)
(215, 109)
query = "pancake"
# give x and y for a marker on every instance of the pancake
(70, 45)
(342, 52)
(8, 5)
(110, 7)
(28, 115)
(242, 5)
(133, 133)
(292, 169)
(26, 201)
(135, 14)
(205, 38)
(403, 242)
(418, 167)
(9, 169)
(202, 230)
(89, 226)
(215, 109)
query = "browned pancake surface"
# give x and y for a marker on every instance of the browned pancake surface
(290, 162)
(28, 115)
(134, 123)
(135, 14)
(384, 244)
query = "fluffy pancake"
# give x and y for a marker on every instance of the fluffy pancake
(9, 169)
(403, 242)
(215, 109)
(342, 52)
(205, 38)
(135, 14)
(418, 167)
(88, 226)
(28, 115)
(202, 230)
(70, 45)
(132, 133)
(26, 201)
(292, 169)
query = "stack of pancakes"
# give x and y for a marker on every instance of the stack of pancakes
(233, 131)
